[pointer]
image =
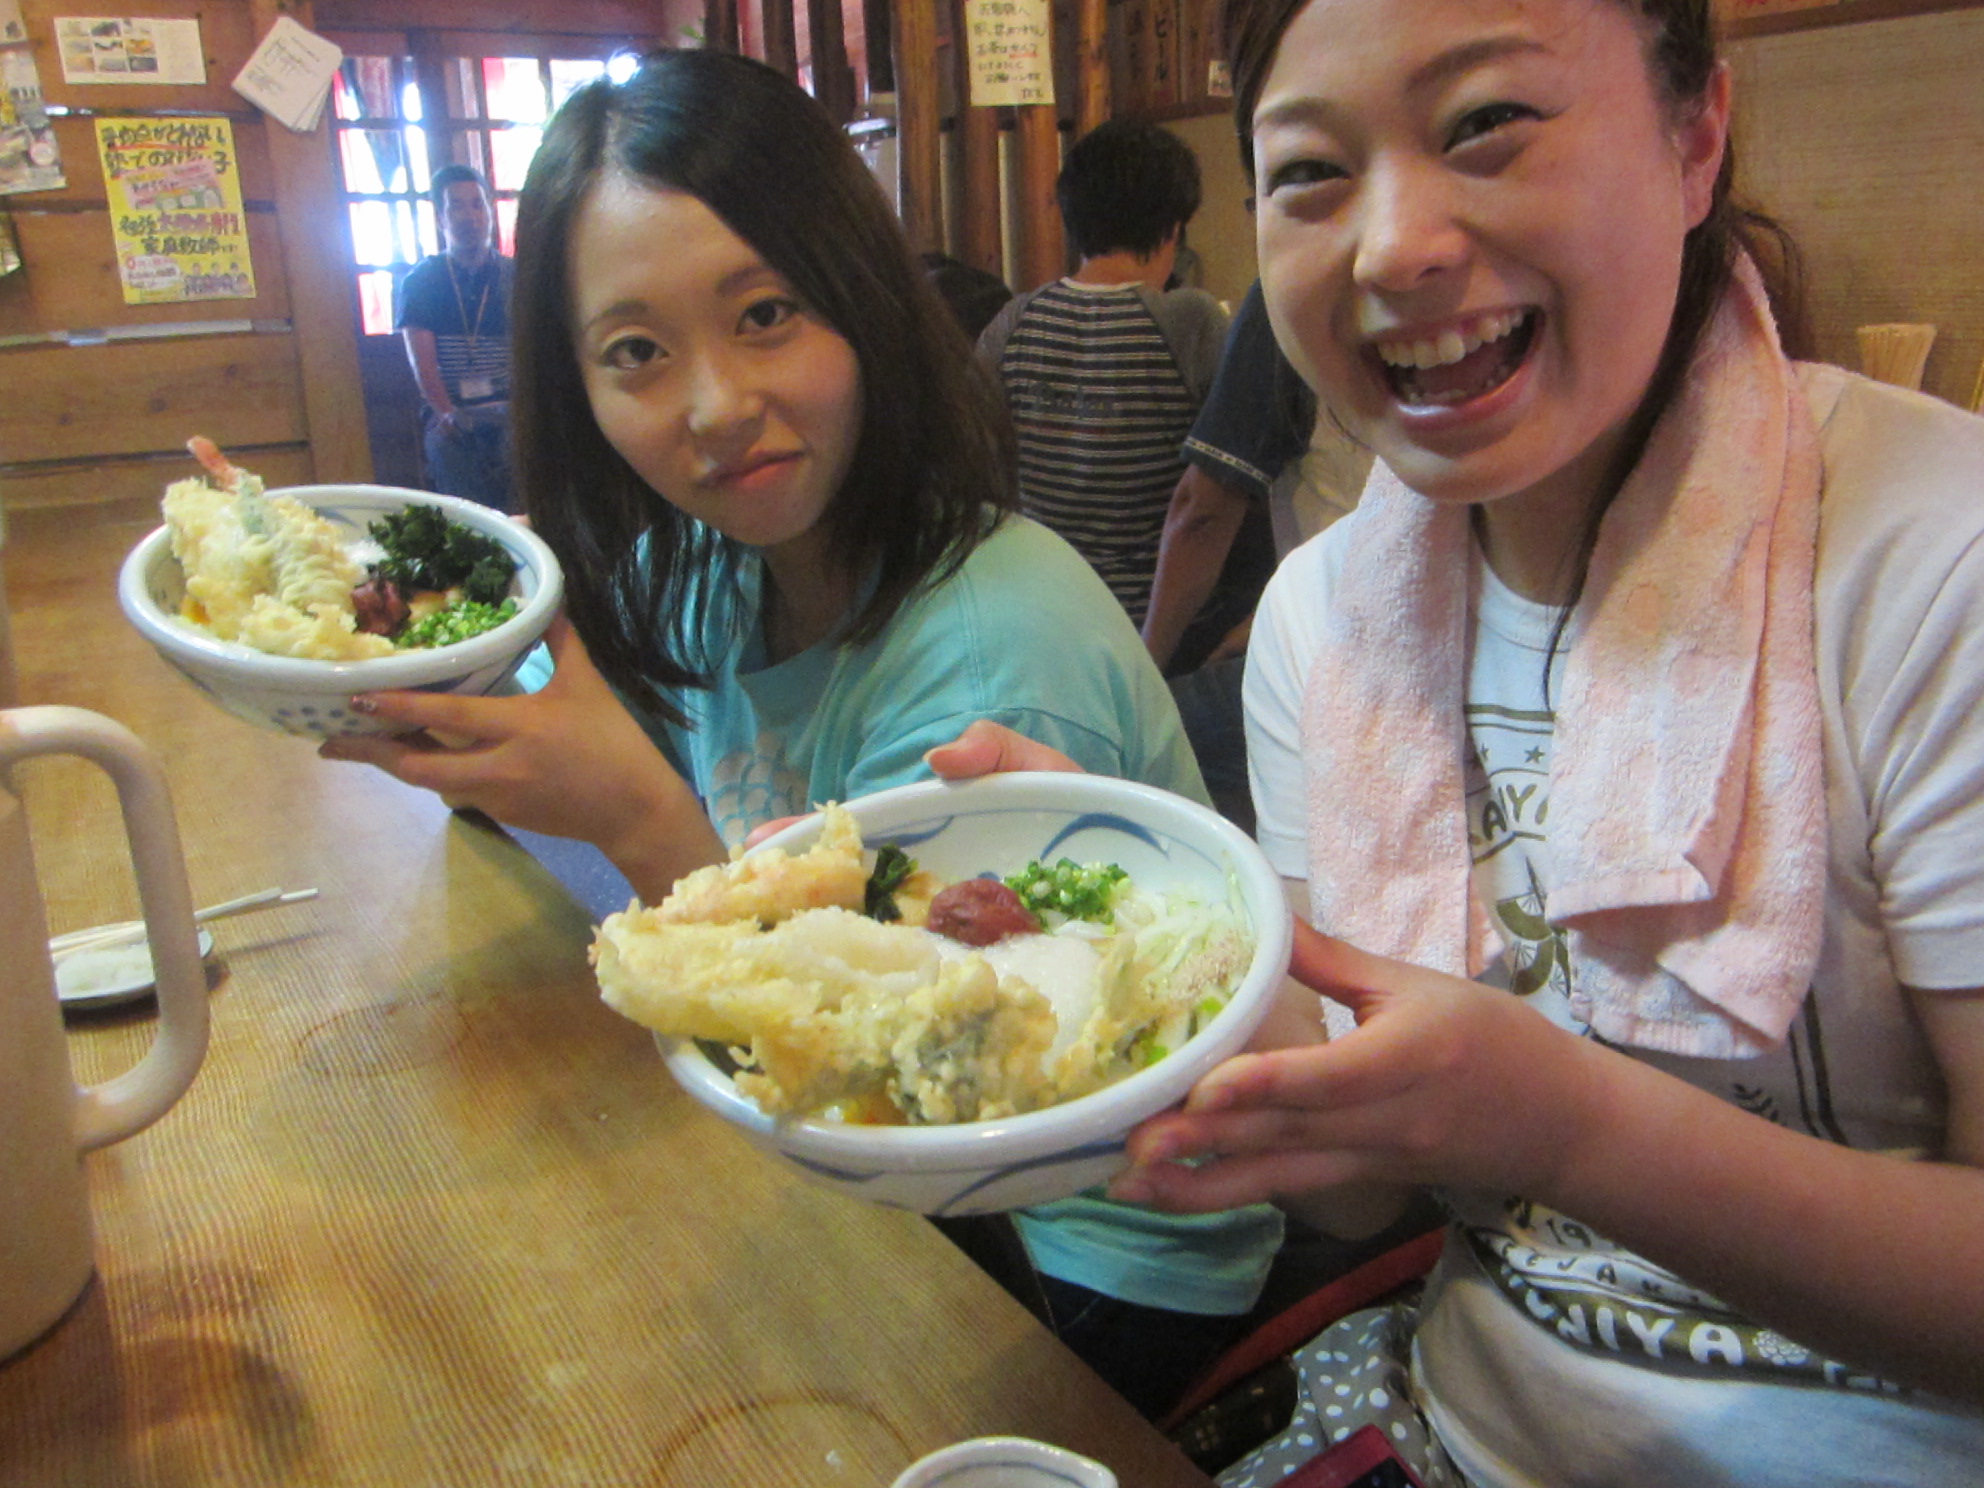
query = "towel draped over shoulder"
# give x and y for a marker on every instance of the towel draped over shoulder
(1687, 846)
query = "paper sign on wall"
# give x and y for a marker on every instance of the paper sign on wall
(289, 76)
(1012, 58)
(29, 159)
(175, 210)
(100, 50)
(12, 27)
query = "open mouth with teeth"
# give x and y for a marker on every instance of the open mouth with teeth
(1460, 363)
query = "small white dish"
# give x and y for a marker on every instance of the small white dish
(1005, 1462)
(108, 975)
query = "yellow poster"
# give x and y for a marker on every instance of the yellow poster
(175, 210)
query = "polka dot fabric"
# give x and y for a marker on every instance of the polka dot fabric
(1354, 1373)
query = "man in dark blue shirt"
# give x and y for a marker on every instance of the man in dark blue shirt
(454, 315)
(1218, 548)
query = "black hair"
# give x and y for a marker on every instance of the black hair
(1682, 58)
(974, 295)
(1126, 185)
(931, 469)
(453, 175)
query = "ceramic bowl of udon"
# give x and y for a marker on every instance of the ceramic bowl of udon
(312, 699)
(1167, 844)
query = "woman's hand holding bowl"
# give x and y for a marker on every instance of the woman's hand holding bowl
(1444, 1081)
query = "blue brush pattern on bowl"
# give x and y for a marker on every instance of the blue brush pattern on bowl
(1167, 844)
(312, 698)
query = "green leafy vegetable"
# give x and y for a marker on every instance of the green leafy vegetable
(892, 867)
(424, 550)
(1076, 891)
(455, 622)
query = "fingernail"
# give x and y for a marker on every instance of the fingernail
(363, 704)
(1133, 1187)
(1156, 1150)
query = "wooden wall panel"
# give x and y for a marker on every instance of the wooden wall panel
(224, 35)
(71, 283)
(82, 422)
(140, 477)
(134, 397)
(1863, 140)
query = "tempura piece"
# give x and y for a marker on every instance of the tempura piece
(770, 886)
(264, 571)
(825, 1007)
(836, 1009)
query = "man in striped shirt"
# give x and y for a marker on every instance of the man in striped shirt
(1104, 370)
(454, 315)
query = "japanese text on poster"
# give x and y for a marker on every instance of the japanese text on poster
(29, 158)
(175, 209)
(1012, 58)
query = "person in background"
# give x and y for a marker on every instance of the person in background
(1627, 747)
(454, 315)
(779, 485)
(1104, 370)
(1219, 545)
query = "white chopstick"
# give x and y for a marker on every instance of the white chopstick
(98, 936)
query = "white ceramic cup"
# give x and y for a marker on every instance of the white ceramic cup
(1005, 1462)
(46, 1122)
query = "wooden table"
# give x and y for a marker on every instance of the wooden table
(432, 1214)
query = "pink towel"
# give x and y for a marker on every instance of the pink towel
(1687, 842)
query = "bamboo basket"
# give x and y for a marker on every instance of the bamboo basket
(1895, 353)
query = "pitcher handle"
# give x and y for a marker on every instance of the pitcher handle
(132, 1101)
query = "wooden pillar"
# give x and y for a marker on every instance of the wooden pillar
(833, 79)
(720, 25)
(1092, 101)
(975, 237)
(919, 173)
(316, 257)
(878, 26)
(1043, 246)
(781, 40)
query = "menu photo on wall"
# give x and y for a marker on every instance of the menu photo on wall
(175, 209)
(130, 49)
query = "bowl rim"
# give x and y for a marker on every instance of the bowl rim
(1007, 1451)
(1099, 1117)
(404, 669)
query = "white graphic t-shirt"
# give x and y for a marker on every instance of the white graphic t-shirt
(1562, 1274)
(1545, 1354)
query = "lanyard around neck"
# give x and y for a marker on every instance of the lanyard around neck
(461, 307)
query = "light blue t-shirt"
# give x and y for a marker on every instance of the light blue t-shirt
(1024, 634)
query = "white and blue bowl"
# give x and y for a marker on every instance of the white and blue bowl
(997, 824)
(312, 698)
